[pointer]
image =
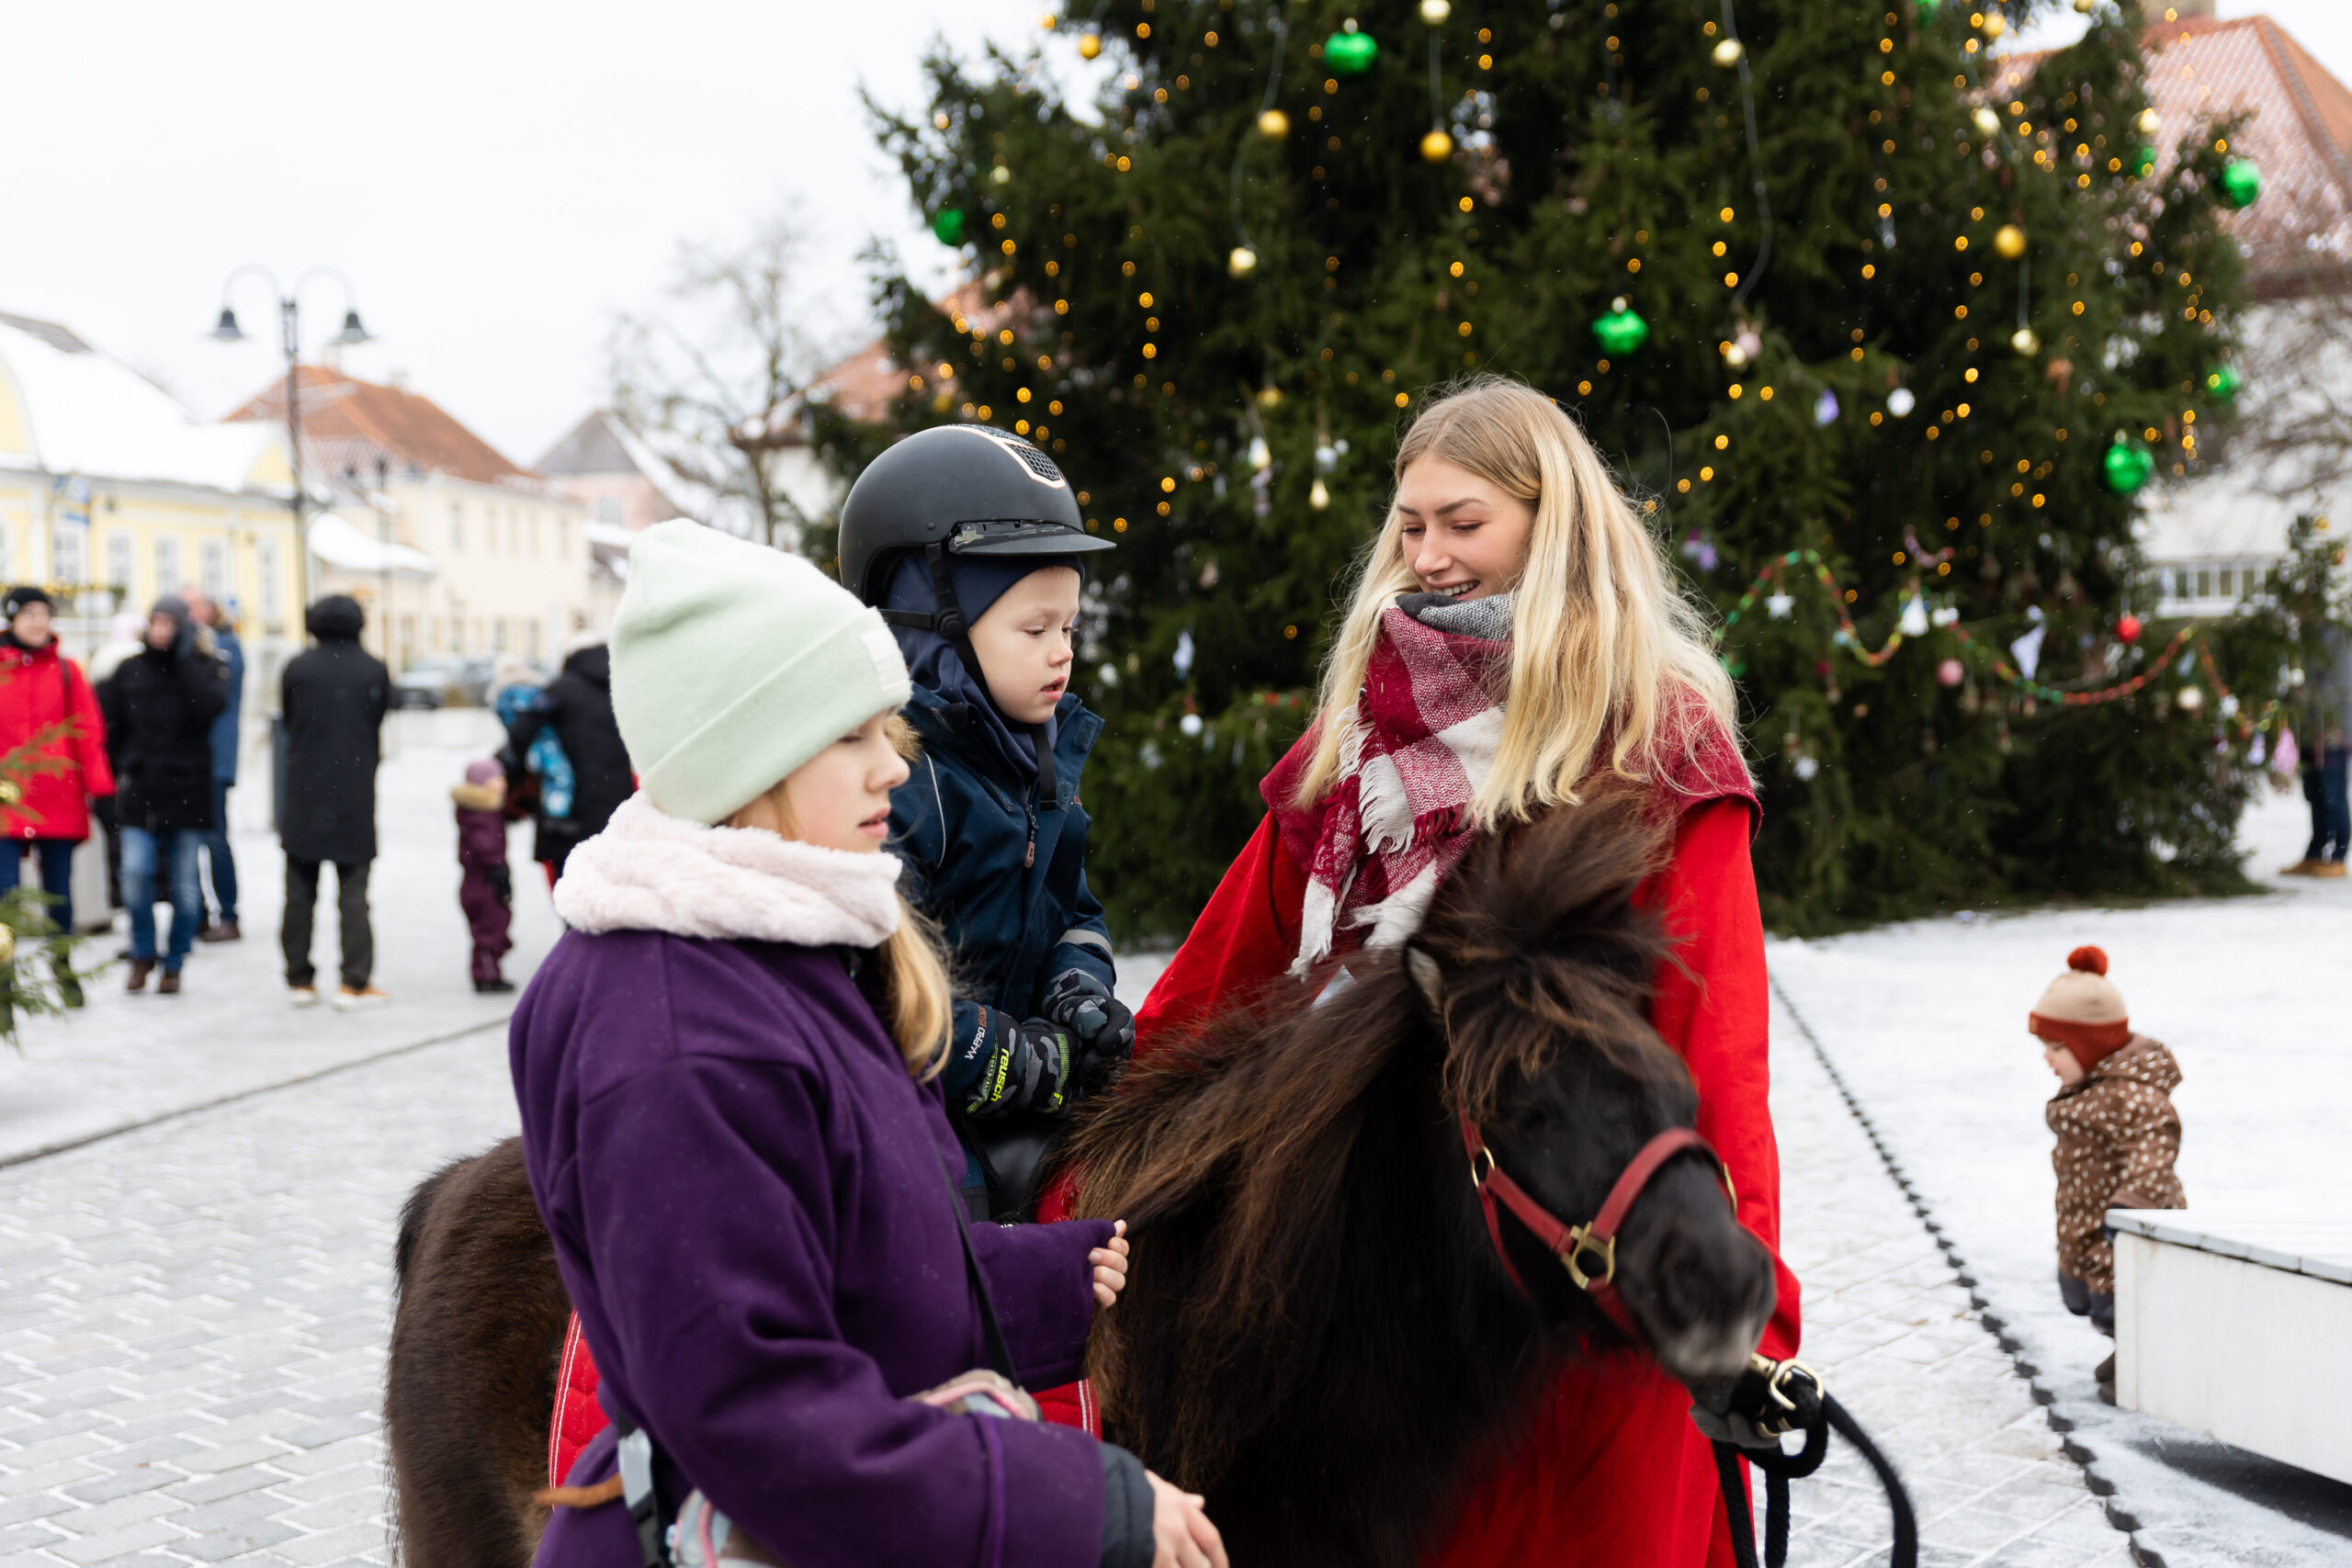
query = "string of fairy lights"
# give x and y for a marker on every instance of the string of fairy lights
(1969, 656)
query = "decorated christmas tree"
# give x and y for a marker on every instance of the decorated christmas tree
(1887, 333)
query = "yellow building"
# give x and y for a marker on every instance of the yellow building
(111, 494)
(455, 551)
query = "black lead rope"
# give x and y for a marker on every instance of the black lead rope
(1784, 1396)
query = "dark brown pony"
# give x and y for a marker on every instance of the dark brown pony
(469, 1380)
(1317, 1333)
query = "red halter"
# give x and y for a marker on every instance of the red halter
(1576, 1247)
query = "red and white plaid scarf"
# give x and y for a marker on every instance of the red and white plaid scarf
(1419, 742)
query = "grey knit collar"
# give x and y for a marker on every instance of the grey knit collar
(1488, 618)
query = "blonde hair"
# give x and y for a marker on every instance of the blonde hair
(914, 983)
(1607, 652)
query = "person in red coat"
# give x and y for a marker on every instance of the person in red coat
(1515, 638)
(54, 748)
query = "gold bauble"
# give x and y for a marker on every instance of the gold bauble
(2009, 240)
(1089, 45)
(2025, 340)
(1241, 262)
(1269, 396)
(1437, 147)
(2085, 6)
(1273, 125)
(1987, 121)
(11, 792)
(7, 943)
(1435, 12)
(1994, 26)
(2150, 121)
(1727, 52)
(1318, 497)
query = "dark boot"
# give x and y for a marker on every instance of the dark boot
(223, 930)
(140, 969)
(169, 984)
(494, 986)
(2104, 1375)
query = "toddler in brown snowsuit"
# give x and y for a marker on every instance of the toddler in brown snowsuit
(2118, 1133)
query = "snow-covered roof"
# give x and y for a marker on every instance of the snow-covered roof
(347, 546)
(666, 460)
(78, 411)
(2218, 517)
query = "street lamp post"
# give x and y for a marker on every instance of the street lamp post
(290, 315)
(384, 540)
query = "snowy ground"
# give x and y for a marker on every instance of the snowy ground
(1925, 1022)
(196, 1195)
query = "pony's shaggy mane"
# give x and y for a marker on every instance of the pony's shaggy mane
(1235, 1147)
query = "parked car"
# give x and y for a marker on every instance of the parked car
(443, 682)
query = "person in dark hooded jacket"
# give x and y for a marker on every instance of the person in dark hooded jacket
(333, 697)
(1003, 866)
(578, 706)
(159, 709)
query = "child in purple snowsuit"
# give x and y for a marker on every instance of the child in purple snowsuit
(487, 892)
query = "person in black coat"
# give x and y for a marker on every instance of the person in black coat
(159, 709)
(578, 704)
(333, 697)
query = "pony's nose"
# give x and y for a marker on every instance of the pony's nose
(1711, 1294)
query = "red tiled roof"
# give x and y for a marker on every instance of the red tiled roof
(863, 384)
(2298, 132)
(340, 412)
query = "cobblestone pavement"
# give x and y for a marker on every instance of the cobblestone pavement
(191, 1341)
(1890, 1328)
(192, 1330)
(126, 1059)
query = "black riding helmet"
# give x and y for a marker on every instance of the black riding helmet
(968, 490)
(957, 490)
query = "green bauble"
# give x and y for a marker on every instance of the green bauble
(2241, 182)
(1621, 330)
(2221, 384)
(2128, 467)
(1350, 53)
(947, 228)
(1927, 9)
(2143, 162)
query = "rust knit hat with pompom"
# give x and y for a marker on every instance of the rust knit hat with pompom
(2083, 1010)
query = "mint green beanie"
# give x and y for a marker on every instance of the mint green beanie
(734, 663)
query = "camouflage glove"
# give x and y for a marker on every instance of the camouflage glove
(1104, 1029)
(1023, 1067)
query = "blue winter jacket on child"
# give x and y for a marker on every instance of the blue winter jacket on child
(1003, 872)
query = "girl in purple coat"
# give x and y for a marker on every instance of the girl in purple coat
(725, 1070)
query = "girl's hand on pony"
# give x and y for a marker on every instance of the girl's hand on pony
(1111, 1266)
(1181, 1535)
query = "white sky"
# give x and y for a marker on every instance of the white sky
(496, 179)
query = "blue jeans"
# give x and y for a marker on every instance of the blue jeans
(142, 851)
(219, 856)
(56, 874)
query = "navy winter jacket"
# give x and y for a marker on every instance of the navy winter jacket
(964, 831)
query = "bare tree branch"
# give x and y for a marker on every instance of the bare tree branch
(715, 382)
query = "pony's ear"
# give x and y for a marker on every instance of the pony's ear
(1426, 979)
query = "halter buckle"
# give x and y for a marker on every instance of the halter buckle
(1776, 1375)
(1581, 1241)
